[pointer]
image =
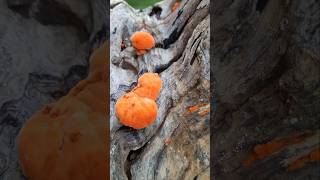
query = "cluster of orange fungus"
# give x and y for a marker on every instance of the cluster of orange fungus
(67, 139)
(142, 41)
(138, 109)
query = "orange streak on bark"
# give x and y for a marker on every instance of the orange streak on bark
(175, 6)
(204, 112)
(168, 141)
(192, 109)
(313, 156)
(263, 151)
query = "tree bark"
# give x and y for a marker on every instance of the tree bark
(265, 73)
(176, 146)
(44, 52)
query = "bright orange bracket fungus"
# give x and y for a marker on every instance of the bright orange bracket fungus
(68, 139)
(149, 86)
(142, 41)
(137, 109)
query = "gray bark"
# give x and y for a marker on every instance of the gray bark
(176, 146)
(44, 50)
(266, 74)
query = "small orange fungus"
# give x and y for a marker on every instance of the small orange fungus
(142, 41)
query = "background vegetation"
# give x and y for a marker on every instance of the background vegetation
(140, 4)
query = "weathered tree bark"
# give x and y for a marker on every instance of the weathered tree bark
(44, 52)
(266, 76)
(176, 146)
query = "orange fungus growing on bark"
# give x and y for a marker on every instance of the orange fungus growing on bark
(135, 111)
(67, 139)
(149, 85)
(142, 41)
(138, 109)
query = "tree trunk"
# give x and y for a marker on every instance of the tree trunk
(176, 146)
(265, 74)
(44, 50)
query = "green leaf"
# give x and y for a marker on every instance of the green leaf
(141, 4)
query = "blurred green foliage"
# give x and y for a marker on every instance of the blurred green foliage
(141, 4)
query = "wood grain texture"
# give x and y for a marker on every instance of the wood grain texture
(176, 146)
(44, 52)
(266, 73)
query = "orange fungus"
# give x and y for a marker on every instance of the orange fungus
(138, 109)
(67, 139)
(135, 111)
(142, 41)
(175, 6)
(149, 85)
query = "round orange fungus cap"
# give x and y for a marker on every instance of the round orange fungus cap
(142, 40)
(135, 111)
(149, 86)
